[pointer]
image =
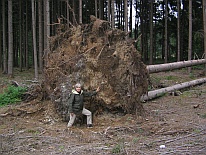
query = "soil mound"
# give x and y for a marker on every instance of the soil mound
(96, 55)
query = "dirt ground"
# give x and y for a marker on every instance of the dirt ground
(171, 125)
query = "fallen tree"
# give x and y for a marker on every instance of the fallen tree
(96, 55)
(174, 65)
(159, 92)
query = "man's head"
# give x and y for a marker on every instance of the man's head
(78, 87)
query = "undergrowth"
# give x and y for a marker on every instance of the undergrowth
(11, 94)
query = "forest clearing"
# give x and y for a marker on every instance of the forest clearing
(170, 125)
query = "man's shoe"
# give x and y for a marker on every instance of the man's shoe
(89, 126)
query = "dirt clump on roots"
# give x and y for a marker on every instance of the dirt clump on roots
(96, 55)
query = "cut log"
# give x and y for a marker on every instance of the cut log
(157, 93)
(174, 65)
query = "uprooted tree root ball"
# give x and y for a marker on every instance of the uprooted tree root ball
(96, 55)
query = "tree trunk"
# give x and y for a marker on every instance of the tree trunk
(15, 47)
(136, 24)
(151, 33)
(74, 19)
(163, 35)
(159, 92)
(190, 34)
(54, 17)
(112, 14)
(48, 23)
(40, 35)
(46, 29)
(10, 40)
(155, 35)
(96, 9)
(101, 9)
(126, 16)
(45, 33)
(109, 10)
(68, 20)
(34, 37)
(175, 65)
(1, 55)
(80, 11)
(178, 30)
(20, 35)
(166, 36)
(26, 40)
(204, 25)
(4, 38)
(130, 18)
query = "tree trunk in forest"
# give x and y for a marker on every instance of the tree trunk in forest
(15, 46)
(166, 36)
(178, 30)
(112, 14)
(130, 19)
(40, 35)
(136, 25)
(34, 38)
(45, 33)
(155, 35)
(159, 92)
(20, 35)
(26, 40)
(54, 17)
(175, 65)
(4, 38)
(126, 16)
(142, 30)
(163, 35)
(108, 10)
(151, 33)
(80, 11)
(48, 23)
(144, 27)
(101, 9)
(204, 26)
(182, 29)
(46, 30)
(23, 36)
(1, 55)
(96, 9)
(190, 34)
(10, 40)
(68, 20)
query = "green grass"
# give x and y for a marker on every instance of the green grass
(135, 140)
(170, 77)
(119, 148)
(203, 116)
(11, 94)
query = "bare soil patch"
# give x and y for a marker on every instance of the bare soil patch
(176, 123)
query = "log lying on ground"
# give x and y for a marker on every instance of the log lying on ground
(157, 93)
(175, 65)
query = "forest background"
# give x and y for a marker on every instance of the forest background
(163, 30)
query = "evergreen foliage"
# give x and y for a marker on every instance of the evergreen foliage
(11, 94)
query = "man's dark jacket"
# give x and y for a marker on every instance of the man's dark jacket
(76, 100)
